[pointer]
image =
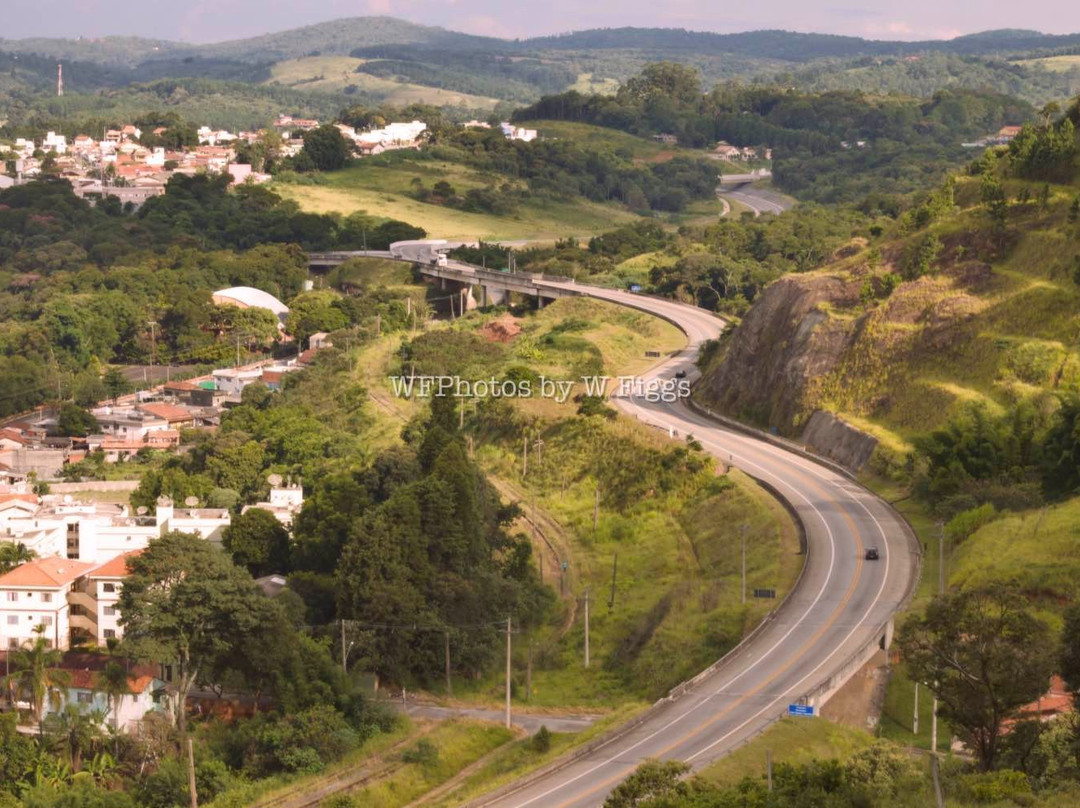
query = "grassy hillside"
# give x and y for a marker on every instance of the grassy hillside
(337, 73)
(383, 189)
(676, 604)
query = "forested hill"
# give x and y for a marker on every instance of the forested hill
(345, 35)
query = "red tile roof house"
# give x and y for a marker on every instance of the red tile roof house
(148, 692)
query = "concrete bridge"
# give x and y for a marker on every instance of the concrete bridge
(457, 277)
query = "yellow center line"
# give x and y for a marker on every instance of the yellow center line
(742, 699)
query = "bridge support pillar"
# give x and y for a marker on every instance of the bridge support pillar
(494, 296)
(887, 637)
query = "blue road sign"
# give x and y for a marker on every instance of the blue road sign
(800, 709)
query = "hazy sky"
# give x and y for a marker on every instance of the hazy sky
(215, 20)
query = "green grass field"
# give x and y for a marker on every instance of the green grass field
(790, 740)
(383, 190)
(1057, 64)
(457, 745)
(334, 73)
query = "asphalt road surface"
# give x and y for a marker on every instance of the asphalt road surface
(758, 200)
(839, 606)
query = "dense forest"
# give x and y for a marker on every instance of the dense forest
(79, 283)
(829, 147)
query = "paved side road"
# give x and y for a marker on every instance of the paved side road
(529, 722)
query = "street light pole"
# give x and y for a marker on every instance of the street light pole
(508, 673)
(742, 530)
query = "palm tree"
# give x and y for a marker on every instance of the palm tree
(14, 555)
(113, 682)
(76, 731)
(35, 673)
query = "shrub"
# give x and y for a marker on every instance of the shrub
(424, 753)
(996, 786)
(541, 741)
(964, 524)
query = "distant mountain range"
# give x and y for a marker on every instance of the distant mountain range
(383, 60)
(341, 37)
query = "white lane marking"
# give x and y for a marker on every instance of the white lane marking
(758, 661)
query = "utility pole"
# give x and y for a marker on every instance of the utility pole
(344, 652)
(742, 530)
(915, 718)
(596, 508)
(768, 766)
(153, 349)
(191, 773)
(524, 455)
(933, 724)
(586, 628)
(941, 558)
(446, 653)
(528, 673)
(508, 673)
(614, 572)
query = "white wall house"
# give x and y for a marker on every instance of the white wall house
(36, 594)
(284, 503)
(85, 693)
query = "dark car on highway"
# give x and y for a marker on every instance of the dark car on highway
(872, 554)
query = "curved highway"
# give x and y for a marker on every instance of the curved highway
(841, 605)
(757, 199)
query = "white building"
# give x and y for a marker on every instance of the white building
(36, 594)
(54, 142)
(512, 132)
(232, 381)
(93, 600)
(206, 523)
(284, 503)
(85, 693)
(128, 423)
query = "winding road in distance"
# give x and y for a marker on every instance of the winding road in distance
(841, 604)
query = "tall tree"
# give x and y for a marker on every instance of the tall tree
(258, 541)
(327, 148)
(36, 673)
(185, 604)
(984, 656)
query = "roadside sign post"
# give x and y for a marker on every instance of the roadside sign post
(806, 710)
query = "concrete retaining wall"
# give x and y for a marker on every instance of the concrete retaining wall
(93, 485)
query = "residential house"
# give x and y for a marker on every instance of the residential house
(284, 503)
(36, 594)
(232, 381)
(93, 600)
(176, 417)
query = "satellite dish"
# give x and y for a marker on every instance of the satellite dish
(274, 480)
(142, 510)
(191, 502)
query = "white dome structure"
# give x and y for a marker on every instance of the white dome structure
(248, 297)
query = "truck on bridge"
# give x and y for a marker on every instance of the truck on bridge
(425, 251)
